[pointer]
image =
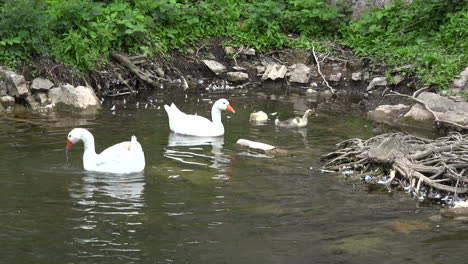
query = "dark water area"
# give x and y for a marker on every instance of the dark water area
(206, 202)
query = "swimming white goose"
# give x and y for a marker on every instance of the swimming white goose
(194, 125)
(124, 157)
(297, 122)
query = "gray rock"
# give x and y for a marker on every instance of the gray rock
(41, 98)
(274, 71)
(299, 73)
(41, 84)
(215, 66)
(461, 83)
(15, 83)
(335, 77)
(260, 70)
(69, 97)
(388, 113)
(237, 76)
(419, 113)
(377, 81)
(445, 109)
(3, 88)
(31, 102)
(366, 76)
(356, 76)
(7, 101)
(239, 68)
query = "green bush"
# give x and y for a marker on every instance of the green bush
(23, 31)
(430, 35)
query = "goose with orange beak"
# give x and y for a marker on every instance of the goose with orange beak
(194, 125)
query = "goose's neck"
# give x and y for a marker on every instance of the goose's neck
(88, 142)
(216, 116)
(305, 118)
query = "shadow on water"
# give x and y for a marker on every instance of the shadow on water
(204, 200)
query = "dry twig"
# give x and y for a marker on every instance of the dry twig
(320, 72)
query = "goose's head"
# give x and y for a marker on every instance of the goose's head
(309, 112)
(74, 136)
(223, 104)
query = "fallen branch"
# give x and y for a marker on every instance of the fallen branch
(134, 69)
(320, 72)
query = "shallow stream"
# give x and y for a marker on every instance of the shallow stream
(206, 202)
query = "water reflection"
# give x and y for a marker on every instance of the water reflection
(109, 210)
(191, 150)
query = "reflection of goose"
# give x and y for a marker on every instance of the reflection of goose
(102, 201)
(129, 187)
(125, 157)
(190, 156)
(297, 122)
(184, 140)
(193, 125)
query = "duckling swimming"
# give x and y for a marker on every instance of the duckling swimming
(259, 116)
(297, 122)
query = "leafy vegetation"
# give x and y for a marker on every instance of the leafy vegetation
(430, 35)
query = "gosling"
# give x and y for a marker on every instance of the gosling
(297, 122)
(259, 116)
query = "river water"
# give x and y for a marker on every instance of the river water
(206, 202)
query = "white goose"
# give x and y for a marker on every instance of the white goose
(194, 125)
(124, 157)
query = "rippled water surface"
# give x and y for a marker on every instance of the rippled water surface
(205, 201)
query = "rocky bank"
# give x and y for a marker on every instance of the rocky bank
(212, 67)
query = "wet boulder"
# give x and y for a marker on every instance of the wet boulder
(335, 77)
(7, 101)
(274, 71)
(41, 97)
(76, 98)
(237, 76)
(376, 82)
(16, 85)
(31, 102)
(3, 88)
(388, 113)
(216, 67)
(356, 76)
(460, 84)
(41, 84)
(299, 73)
(448, 109)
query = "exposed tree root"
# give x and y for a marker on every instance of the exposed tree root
(423, 165)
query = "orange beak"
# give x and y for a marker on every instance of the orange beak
(229, 108)
(69, 144)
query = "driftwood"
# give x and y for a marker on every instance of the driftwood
(422, 166)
